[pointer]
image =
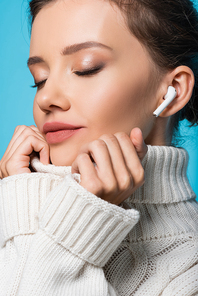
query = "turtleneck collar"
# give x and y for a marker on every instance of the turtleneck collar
(165, 176)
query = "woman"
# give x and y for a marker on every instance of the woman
(108, 209)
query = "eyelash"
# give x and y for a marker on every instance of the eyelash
(89, 72)
(38, 84)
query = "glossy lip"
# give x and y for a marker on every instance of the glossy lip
(58, 126)
(57, 132)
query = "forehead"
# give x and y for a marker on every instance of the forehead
(67, 22)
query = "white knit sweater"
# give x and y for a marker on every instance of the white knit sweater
(58, 239)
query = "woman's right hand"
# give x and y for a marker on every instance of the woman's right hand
(16, 159)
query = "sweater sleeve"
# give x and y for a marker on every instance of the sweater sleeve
(57, 242)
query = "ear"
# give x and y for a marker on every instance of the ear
(182, 79)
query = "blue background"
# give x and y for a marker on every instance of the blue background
(16, 95)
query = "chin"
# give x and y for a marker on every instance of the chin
(61, 159)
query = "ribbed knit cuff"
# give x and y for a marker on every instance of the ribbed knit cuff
(21, 197)
(84, 224)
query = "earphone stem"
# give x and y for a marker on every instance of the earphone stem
(169, 97)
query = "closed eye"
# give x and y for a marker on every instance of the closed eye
(39, 84)
(90, 72)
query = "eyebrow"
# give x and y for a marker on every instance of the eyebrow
(68, 50)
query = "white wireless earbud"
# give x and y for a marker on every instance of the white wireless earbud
(169, 97)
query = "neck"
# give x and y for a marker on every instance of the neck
(161, 133)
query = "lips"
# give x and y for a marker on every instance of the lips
(57, 132)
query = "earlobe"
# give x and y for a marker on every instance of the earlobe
(182, 79)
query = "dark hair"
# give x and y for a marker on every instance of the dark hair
(169, 31)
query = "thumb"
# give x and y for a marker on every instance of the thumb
(138, 142)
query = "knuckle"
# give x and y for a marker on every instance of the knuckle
(25, 133)
(82, 157)
(126, 182)
(23, 127)
(99, 143)
(122, 135)
(108, 137)
(111, 187)
(18, 127)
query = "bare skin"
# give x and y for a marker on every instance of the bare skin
(113, 104)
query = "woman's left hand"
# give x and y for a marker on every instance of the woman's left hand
(110, 167)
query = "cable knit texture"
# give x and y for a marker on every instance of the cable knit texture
(59, 239)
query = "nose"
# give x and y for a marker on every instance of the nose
(53, 95)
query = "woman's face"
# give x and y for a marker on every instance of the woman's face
(94, 76)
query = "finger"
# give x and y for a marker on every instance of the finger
(35, 128)
(100, 154)
(21, 134)
(131, 158)
(89, 178)
(138, 141)
(19, 137)
(121, 171)
(32, 143)
(5, 173)
(19, 162)
(17, 132)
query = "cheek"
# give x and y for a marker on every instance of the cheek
(34, 111)
(118, 102)
(37, 115)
